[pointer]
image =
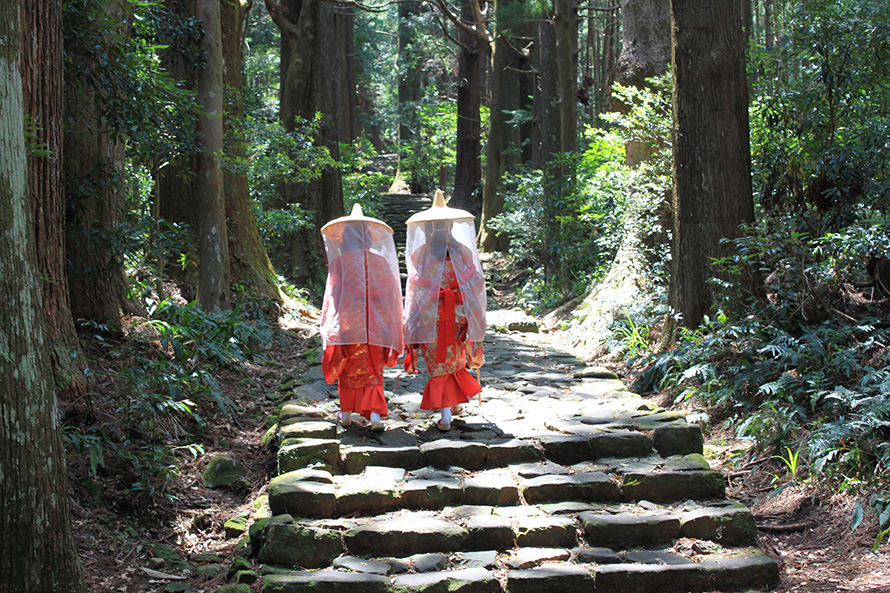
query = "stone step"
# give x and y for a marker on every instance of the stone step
(534, 570)
(313, 442)
(319, 493)
(283, 540)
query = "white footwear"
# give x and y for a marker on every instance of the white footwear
(376, 422)
(344, 418)
(443, 426)
(456, 409)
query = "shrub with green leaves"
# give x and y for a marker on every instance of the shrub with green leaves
(804, 360)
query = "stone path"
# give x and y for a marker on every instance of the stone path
(559, 480)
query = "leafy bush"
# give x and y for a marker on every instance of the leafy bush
(803, 365)
(165, 391)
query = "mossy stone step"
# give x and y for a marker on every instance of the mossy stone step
(732, 570)
(379, 489)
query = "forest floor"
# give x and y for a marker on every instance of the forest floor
(805, 526)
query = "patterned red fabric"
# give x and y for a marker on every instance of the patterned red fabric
(358, 371)
(448, 357)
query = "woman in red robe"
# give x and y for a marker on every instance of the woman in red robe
(445, 305)
(361, 327)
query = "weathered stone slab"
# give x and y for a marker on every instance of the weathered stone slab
(427, 562)
(288, 494)
(484, 559)
(678, 439)
(406, 534)
(593, 487)
(731, 524)
(656, 419)
(299, 453)
(693, 461)
(673, 486)
(489, 532)
(309, 430)
(295, 412)
(326, 581)
(542, 468)
(354, 564)
(495, 487)
(625, 530)
(619, 444)
(505, 453)
(596, 373)
(530, 557)
(545, 532)
(447, 453)
(356, 459)
(740, 572)
(468, 580)
(433, 493)
(375, 490)
(566, 449)
(591, 555)
(565, 578)
(633, 578)
(656, 557)
(296, 546)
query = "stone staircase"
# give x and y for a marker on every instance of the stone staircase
(559, 480)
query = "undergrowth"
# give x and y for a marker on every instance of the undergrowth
(151, 407)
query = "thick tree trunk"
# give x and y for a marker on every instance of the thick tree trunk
(37, 551)
(565, 20)
(42, 92)
(496, 146)
(504, 95)
(712, 160)
(93, 163)
(213, 244)
(312, 38)
(409, 95)
(468, 162)
(249, 263)
(546, 134)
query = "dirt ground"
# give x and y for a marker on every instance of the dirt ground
(804, 526)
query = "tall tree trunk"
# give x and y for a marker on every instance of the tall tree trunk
(249, 263)
(504, 95)
(546, 135)
(645, 53)
(468, 160)
(712, 160)
(213, 244)
(409, 94)
(42, 92)
(565, 20)
(93, 164)
(308, 86)
(37, 550)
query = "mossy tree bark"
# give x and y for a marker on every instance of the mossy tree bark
(37, 550)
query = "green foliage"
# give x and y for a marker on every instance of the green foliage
(821, 114)
(166, 391)
(582, 222)
(803, 365)
(117, 71)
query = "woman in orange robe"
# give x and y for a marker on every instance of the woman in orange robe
(444, 306)
(361, 314)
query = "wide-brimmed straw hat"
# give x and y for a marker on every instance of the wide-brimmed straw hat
(439, 211)
(356, 216)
